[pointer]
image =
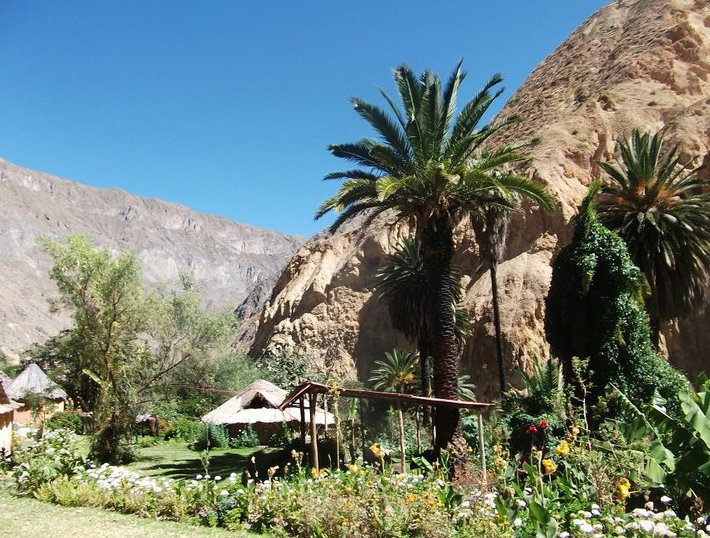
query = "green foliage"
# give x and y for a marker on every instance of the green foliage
(67, 420)
(286, 371)
(535, 416)
(104, 294)
(247, 438)
(185, 429)
(212, 436)
(282, 438)
(662, 212)
(594, 311)
(678, 453)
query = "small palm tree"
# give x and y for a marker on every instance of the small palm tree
(397, 373)
(662, 212)
(430, 167)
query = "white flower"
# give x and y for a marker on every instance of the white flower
(649, 505)
(646, 525)
(521, 503)
(198, 477)
(586, 528)
(666, 499)
(564, 534)
(224, 493)
(518, 522)
(217, 478)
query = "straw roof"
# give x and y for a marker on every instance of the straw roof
(5, 380)
(258, 403)
(6, 404)
(33, 380)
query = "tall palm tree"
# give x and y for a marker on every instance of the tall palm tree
(661, 210)
(401, 283)
(429, 167)
(397, 373)
(490, 224)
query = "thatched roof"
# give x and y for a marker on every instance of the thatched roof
(258, 403)
(6, 404)
(33, 380)
(5, 380)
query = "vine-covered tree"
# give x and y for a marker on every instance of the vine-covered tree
(594, 312)
(661, 210)
(430, 167)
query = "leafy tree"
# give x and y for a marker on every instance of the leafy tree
(397, 373)
(662, 212)
(430, 167)
(594, 311)
(188, 346)
(104, 294)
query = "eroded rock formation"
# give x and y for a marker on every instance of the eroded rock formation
(634, 64)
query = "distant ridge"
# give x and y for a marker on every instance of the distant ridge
(227, 258)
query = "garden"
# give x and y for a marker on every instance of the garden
(605, 438)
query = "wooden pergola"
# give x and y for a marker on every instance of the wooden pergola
(312, 389)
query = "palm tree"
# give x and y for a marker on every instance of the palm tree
(662, 212)
(429, 167)
(491, 225)
(397, 373)
(401, 283)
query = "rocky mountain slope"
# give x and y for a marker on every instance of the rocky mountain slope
(634, 64)
(226, 258)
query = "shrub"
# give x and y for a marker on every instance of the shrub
(246, 438)
(594, 311)
(212, 436)
(185, 429)
(68, 420)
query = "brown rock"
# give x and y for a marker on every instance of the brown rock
(634, 64)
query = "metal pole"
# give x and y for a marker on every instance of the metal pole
(482, 448)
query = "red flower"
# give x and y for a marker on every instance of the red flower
(532, 429)
(543, 424)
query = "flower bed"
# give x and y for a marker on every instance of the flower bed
(357, 501)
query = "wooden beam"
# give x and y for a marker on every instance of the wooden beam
(313, 397)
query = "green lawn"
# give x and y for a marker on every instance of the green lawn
(175, 460)
(30, 518)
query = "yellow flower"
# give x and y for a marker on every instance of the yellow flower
(562, 449)
(548, 466)
(622, 490)
(352, 468)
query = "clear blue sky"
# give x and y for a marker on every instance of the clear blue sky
(228, 106)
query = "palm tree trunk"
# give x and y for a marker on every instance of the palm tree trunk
(496, 323)
(438, 250)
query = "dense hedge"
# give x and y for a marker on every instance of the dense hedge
(595, 311)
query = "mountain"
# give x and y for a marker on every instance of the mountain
(226, 258)
(634, 64)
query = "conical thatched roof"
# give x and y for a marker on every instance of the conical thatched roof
(5, 380)
(257, 403)
(6, 404)
(33, 380)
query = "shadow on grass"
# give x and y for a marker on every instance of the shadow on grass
(221, 463)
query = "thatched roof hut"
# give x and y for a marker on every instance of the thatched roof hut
(257, 406)
(32, 380)
(5, 380)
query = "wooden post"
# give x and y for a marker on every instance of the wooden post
(482, 448)
(313, 398)
(303, 421)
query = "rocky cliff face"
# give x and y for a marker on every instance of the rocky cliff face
(226, 258)
(634, 64)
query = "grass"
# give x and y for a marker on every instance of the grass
(175, 460)
(29, 518)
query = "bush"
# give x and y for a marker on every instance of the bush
(244, 439)
(68, 420)
(212, 436)
(185, 429)
(594, 311)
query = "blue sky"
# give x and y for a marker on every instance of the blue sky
(228, 106)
